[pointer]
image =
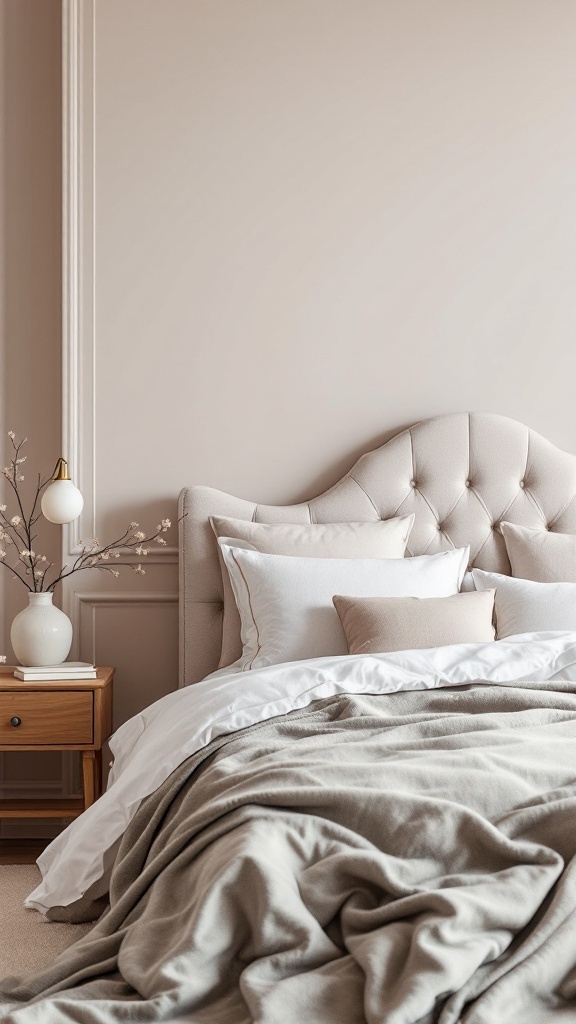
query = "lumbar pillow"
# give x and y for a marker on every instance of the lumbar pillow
(376, 625)
(382, 539)
(285, 603)
(540, 555)
(522, 606)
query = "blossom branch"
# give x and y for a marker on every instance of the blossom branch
(13, 525)
(13, 479)
(93, 555)
(18, 531)
(14, 572)
(40, 487)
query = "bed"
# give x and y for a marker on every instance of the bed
(345, 838)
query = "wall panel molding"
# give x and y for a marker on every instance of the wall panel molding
(124, 599)
(79, 341)
(78, 194)
(137, 633)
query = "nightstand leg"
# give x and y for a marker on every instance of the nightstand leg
(98, 773)
(89, 776)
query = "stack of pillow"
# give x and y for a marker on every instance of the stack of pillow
(279, 581)
(295, 592)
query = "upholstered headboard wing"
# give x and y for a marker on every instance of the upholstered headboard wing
(461, 474)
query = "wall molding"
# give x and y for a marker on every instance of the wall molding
(78, 283)
(79, 270)
(125, 599)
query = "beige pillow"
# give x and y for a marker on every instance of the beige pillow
(375, 625)
(540, 555)
(382, 539)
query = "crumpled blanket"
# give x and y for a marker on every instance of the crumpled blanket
(399, 859)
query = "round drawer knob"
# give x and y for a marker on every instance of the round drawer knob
(15, 721)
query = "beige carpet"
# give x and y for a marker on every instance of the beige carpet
(28, 942)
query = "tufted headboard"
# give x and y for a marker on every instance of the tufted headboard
(461, 474)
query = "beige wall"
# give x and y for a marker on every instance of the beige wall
(30, 284)
(303, 225)
(316, 221)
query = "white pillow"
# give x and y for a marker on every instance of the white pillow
(285, 602)
(381, 539)
(522, 606)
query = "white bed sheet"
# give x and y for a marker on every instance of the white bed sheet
(151, 745)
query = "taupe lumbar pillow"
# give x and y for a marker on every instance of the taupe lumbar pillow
(376, 625)
(540, 555)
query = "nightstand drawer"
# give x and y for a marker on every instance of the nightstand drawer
(45, 718)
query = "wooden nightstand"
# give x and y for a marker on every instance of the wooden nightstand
(67, 714)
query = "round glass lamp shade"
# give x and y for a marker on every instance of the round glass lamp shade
(62, 502)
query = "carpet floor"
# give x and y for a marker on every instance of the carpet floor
(28, 942)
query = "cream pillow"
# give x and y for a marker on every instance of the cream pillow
(540, 555)
(285, 603)
(376, 625)
(382, 539)
(523, 606)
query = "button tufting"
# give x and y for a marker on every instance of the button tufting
(522, 484)
(466, 483)
(412, 483)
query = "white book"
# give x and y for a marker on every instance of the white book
(38, 677)
(67, 670)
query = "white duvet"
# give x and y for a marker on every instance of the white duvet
(152, 744)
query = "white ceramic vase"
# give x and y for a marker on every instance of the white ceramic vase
(41, 634)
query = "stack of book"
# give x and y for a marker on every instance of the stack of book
(67, 670)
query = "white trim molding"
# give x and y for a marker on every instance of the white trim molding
(78, 195)
(79, 340)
